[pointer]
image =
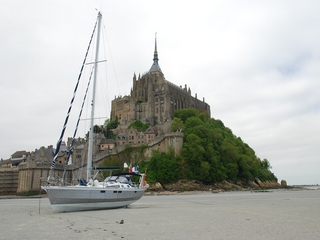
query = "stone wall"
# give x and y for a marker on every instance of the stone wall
(32, 173)
(8, 181)
(161, 143)
(26, 179)
(164, 143)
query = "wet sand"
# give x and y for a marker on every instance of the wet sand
(277, 214)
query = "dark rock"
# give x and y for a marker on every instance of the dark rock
(283, 183)
(156, 187)
(193, 185)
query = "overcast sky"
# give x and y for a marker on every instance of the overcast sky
(256, 63)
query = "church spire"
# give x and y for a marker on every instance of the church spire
(155, 66)
(155, 55)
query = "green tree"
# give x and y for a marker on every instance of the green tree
(140, 126)
(164, 167)
(184, 114)
(109, 125)
(213, 153)
(98, 129)
(193, 152)
(176, 125)
(112, 124)
(265, 164)
(204, 171)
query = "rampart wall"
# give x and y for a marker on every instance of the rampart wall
(26, 179)
(8, 181)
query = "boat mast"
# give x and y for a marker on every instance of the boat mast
(90, 148)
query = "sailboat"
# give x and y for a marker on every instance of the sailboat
(115, 191)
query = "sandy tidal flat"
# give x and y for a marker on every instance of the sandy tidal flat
(277, 214)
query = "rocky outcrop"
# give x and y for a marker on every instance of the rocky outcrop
(180, 186)
(192, 185)
(283, 183)
(267, 184)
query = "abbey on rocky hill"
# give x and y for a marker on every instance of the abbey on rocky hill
(153, 99)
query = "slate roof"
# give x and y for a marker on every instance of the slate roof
(107, 141)
(155, 66)
(19, 154)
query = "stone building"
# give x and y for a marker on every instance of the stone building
(107, 144)
(16, 159)
(153, 99)
(134, 137)
(80, 148)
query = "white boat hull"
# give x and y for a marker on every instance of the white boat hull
(82, 198)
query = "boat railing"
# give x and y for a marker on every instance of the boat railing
(56, 181)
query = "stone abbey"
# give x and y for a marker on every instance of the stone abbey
(153, 99)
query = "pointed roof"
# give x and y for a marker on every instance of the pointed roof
(155, 66)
